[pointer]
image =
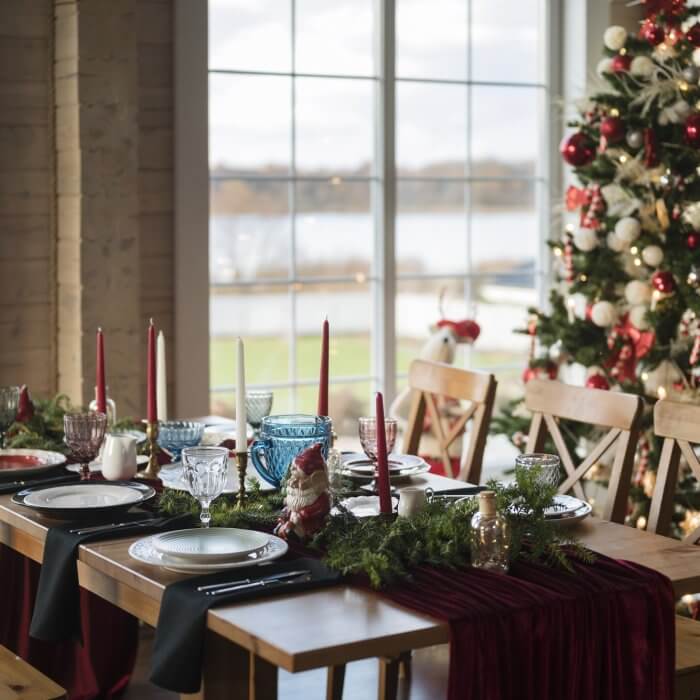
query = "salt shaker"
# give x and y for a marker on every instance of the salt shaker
(491, 538)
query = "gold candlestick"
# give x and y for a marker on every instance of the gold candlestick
(153, 466)
(242, 463)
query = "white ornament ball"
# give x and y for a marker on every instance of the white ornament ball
(615, 37)
(637, 292)
(652, 255)
(634, 138)
(628, 229)
(604, 66)
(614, 243)
(638, 317)
(642, 67)
(603, 314)
(585, 239)
(696, 57)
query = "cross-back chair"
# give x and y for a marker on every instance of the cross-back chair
(679, 425)
(430, 380)
(550, 401)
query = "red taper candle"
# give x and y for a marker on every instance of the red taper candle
(151, 402)
(383, 484)
(100, 390)
(322, 408)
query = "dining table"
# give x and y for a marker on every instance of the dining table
(248, 642)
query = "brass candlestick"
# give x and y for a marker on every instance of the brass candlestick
(242, 463)
(153, 467)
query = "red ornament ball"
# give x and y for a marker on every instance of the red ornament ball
(597, 381)
(550, 371)
(621, 64)
(693, 240)
(693, 35)
(613, 128)
(577, 150)
(653, 33)
(663, 282)
(692, 130)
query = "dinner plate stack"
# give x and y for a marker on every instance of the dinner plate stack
(356, 465)
(202, 550)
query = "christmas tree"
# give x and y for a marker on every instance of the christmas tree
(626, 303)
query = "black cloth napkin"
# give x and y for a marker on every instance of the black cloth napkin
(460, 491)
(14, 485)
(179, 645)
(56, 615)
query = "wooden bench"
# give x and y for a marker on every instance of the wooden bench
(20, 681)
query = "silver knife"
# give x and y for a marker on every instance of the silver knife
(113, 526)
(261, 582)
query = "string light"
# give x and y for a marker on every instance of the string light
(557, 252)
(683, 86)
(583, 277)
(569, 228)
(614, 112)
(634, 250)
(623, 158)
(637, 262)
(623, 51)
(661, 392)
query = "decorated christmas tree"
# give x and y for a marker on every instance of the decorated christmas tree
(626, 303)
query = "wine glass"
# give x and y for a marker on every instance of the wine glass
(205, 469)
(83, 434)
(9, 400)
(258, 404)
(368, 436)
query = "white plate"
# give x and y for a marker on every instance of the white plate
(143, 550)
(564, 506)
(210, 545)
(215, 434)
(364, 506)
(96, 464)
(83, 496)
(358, 461)
(394, 475)
(171, 476)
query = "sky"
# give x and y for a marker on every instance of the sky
(251, 116)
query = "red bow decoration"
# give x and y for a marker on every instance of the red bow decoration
(467, 330)
(629, 345)
(576, 197)
(590, 199)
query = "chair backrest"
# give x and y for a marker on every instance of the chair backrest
(550, 401)
(679, 425)
(429, 380)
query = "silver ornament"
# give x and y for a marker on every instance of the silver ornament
(690, 74)
(634, 138)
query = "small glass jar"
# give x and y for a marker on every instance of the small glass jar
(110, 405)
(491, 537)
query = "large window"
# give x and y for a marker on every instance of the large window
(301, 112)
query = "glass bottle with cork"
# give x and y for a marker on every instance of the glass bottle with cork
(491, 536)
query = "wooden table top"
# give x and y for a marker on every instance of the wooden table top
(340, 624)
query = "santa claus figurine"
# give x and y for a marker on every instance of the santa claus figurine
(307, 503)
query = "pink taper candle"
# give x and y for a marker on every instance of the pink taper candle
(151, 402)
(383, 484)
(322, 408)
(100, 391)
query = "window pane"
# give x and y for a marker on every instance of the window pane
(334, 37)
(249, 230)
(504, 227)
(334, 126)
(250, 123)
(505, 124)
(260, 315)
(431, 39)
(245, 35)
(431, 227)
(334, 229)
(518, 24)
(349, 311)
(346, 403)
(431, 131)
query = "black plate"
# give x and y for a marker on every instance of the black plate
(146, 492)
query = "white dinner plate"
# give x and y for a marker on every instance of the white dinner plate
(143, 550)
(394, 475)
(172, 478)
(210, 545)
(364, 506)
(358, 461)
(564, 506)
(96, 464)
(25, 462)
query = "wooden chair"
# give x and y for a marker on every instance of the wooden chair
(550, 401)
(430, 380)
(20, 681)
(679, 425)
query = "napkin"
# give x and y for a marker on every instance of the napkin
(182, 622)
(56, 614)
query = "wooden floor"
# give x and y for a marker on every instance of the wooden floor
(429, 681)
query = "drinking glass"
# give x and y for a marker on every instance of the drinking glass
(258, 404)
(368, 436)
(549, 464)
(9, 400)
(83, 434)
(205, 470)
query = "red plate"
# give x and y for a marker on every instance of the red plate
(28, 462)
(19, 461)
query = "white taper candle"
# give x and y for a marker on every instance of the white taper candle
(161, 378)
(241, 418)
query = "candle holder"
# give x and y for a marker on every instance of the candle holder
(242, 464)
(153, 467)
